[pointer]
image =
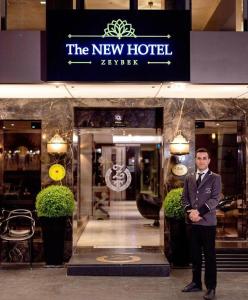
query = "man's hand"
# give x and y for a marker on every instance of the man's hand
(194, 215)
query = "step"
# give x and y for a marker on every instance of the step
(241, 264)
(232, 269)
(231, 260)
(232, 251)
(232, 255)
(118, 262)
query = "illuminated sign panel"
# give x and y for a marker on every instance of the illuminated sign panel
(118, 45)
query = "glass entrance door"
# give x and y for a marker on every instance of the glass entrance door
(112, 179)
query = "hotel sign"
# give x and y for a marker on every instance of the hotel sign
(118, 46)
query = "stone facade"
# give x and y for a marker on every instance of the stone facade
(57, 116)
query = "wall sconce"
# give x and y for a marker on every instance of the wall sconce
(213, 136)
(179, 145)
(57, 145)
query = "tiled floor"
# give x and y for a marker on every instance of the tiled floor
(125, 228)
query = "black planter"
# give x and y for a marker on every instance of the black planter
(178, 242)
(53, 233)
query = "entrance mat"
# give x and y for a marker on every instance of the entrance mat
(118, 262)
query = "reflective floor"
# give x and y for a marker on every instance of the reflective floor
(125, 228)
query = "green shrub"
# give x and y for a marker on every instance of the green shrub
(55, 201)
(173, 205)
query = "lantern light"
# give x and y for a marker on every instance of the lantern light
(179, 145)
(57, 145)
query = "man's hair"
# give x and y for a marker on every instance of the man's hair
(202, 150)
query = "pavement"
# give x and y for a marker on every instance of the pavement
(53, 284)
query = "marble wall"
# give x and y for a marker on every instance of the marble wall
(57, 116)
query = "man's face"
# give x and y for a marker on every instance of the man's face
(202, 160)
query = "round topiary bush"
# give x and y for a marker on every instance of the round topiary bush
(173, 204)
(55, 201)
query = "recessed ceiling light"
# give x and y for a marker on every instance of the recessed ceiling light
(4, 127)
(178, 86)
(43, 2)
(217, 124)
(12, 124)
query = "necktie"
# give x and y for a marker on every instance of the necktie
(198, 181)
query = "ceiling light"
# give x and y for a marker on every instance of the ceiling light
(150, 4)
(43, 2)
(178, 86)
(140, 139)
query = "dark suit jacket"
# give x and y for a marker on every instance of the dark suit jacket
(205, 198)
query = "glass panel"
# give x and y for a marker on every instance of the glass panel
(149, 171)
(223, 140)
(26, 15)
(3, 5)
(106, 4)
(245, 14)
(215, 15)
(20, 163)
(155, 4)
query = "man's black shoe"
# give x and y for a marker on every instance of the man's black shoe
(210, 294)
(192, 287)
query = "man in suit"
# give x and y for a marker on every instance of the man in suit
(200, 197)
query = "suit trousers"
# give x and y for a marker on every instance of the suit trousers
(203, 239)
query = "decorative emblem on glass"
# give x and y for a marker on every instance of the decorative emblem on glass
(119, 28)
(118, 178)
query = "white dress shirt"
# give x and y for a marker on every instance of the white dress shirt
(202, 171)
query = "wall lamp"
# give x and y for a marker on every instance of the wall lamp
(57, 145)
(179, 145)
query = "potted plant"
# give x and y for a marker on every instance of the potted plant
(54, 204)
(178, 252)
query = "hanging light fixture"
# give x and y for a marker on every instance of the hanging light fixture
(179, 145)
(57, 145)
(150, 4)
